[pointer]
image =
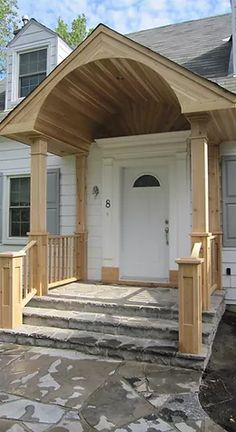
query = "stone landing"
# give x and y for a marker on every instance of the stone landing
(127, 323)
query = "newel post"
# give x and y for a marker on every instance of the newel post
(81, 217)
(190, 305)
(11, 289)
(38, 214)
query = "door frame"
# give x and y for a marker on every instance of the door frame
(134, 151)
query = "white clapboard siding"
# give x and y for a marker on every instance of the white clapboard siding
(94, 214)
(63, 50)
(15, 159)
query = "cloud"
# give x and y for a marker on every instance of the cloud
(124, 16)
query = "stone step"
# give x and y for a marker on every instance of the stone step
(116, 346)
(141, 327)
(158, 311)
(72, 303)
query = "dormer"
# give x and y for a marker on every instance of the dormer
(31, 55)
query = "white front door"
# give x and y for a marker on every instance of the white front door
(145, 216)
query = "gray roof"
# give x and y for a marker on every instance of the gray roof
(202, 46)
(19, 31)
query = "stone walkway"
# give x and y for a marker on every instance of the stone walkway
(45, 389)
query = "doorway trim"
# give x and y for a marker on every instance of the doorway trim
(128, 152)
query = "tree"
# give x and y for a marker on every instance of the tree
(8, 22)
(76, 34)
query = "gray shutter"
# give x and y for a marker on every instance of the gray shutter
(229, 200)
(1, 204)
(53, 201)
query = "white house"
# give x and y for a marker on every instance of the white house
(135, 127)
(115, 164)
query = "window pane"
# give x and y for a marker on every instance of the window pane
(35, 61)
(146, 181)
(15, 230)
(24, 229)
(24, 191)
(29, 83)
(25, 215)
(15, 215)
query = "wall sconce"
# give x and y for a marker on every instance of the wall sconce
(95, 191)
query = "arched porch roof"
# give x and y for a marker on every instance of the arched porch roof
(112, 86)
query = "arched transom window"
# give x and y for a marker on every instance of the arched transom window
(146, 180)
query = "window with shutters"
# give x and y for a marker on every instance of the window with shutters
(15, 208)
(229, 200)
(19, 206)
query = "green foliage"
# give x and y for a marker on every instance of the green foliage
(8, 22)
(78, 32)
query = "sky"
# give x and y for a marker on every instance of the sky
(125, 16)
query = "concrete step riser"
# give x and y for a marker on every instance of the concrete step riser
(146, 312)
(163, 358)
(104, 327)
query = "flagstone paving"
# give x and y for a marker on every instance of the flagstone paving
(51, 390)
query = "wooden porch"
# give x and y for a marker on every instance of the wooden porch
(135, 91)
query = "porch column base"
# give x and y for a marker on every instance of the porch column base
(110, 274)
(40, 264)
(173, 276)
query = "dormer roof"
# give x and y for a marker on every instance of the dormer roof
(37, 23)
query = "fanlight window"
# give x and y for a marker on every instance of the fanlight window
(146, 180)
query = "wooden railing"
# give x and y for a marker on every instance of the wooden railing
(17, 283)
(62, 259)
(213, 263)
(29, 267)
(190, 301)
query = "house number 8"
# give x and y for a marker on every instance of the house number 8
(108, 203)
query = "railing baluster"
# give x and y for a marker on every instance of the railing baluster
(50, 260)
(54, 259)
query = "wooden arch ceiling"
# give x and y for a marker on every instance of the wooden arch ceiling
(108, 98)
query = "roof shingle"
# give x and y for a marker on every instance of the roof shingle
(202, 46)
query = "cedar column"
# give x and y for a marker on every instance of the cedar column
(214, 206)
(38, 213)
(81, 216)
(200, 193)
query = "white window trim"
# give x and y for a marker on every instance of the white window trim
(45, 44)
(6, 239)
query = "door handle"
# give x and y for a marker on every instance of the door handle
(167, 235)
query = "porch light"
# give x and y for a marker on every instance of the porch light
(95, 191)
